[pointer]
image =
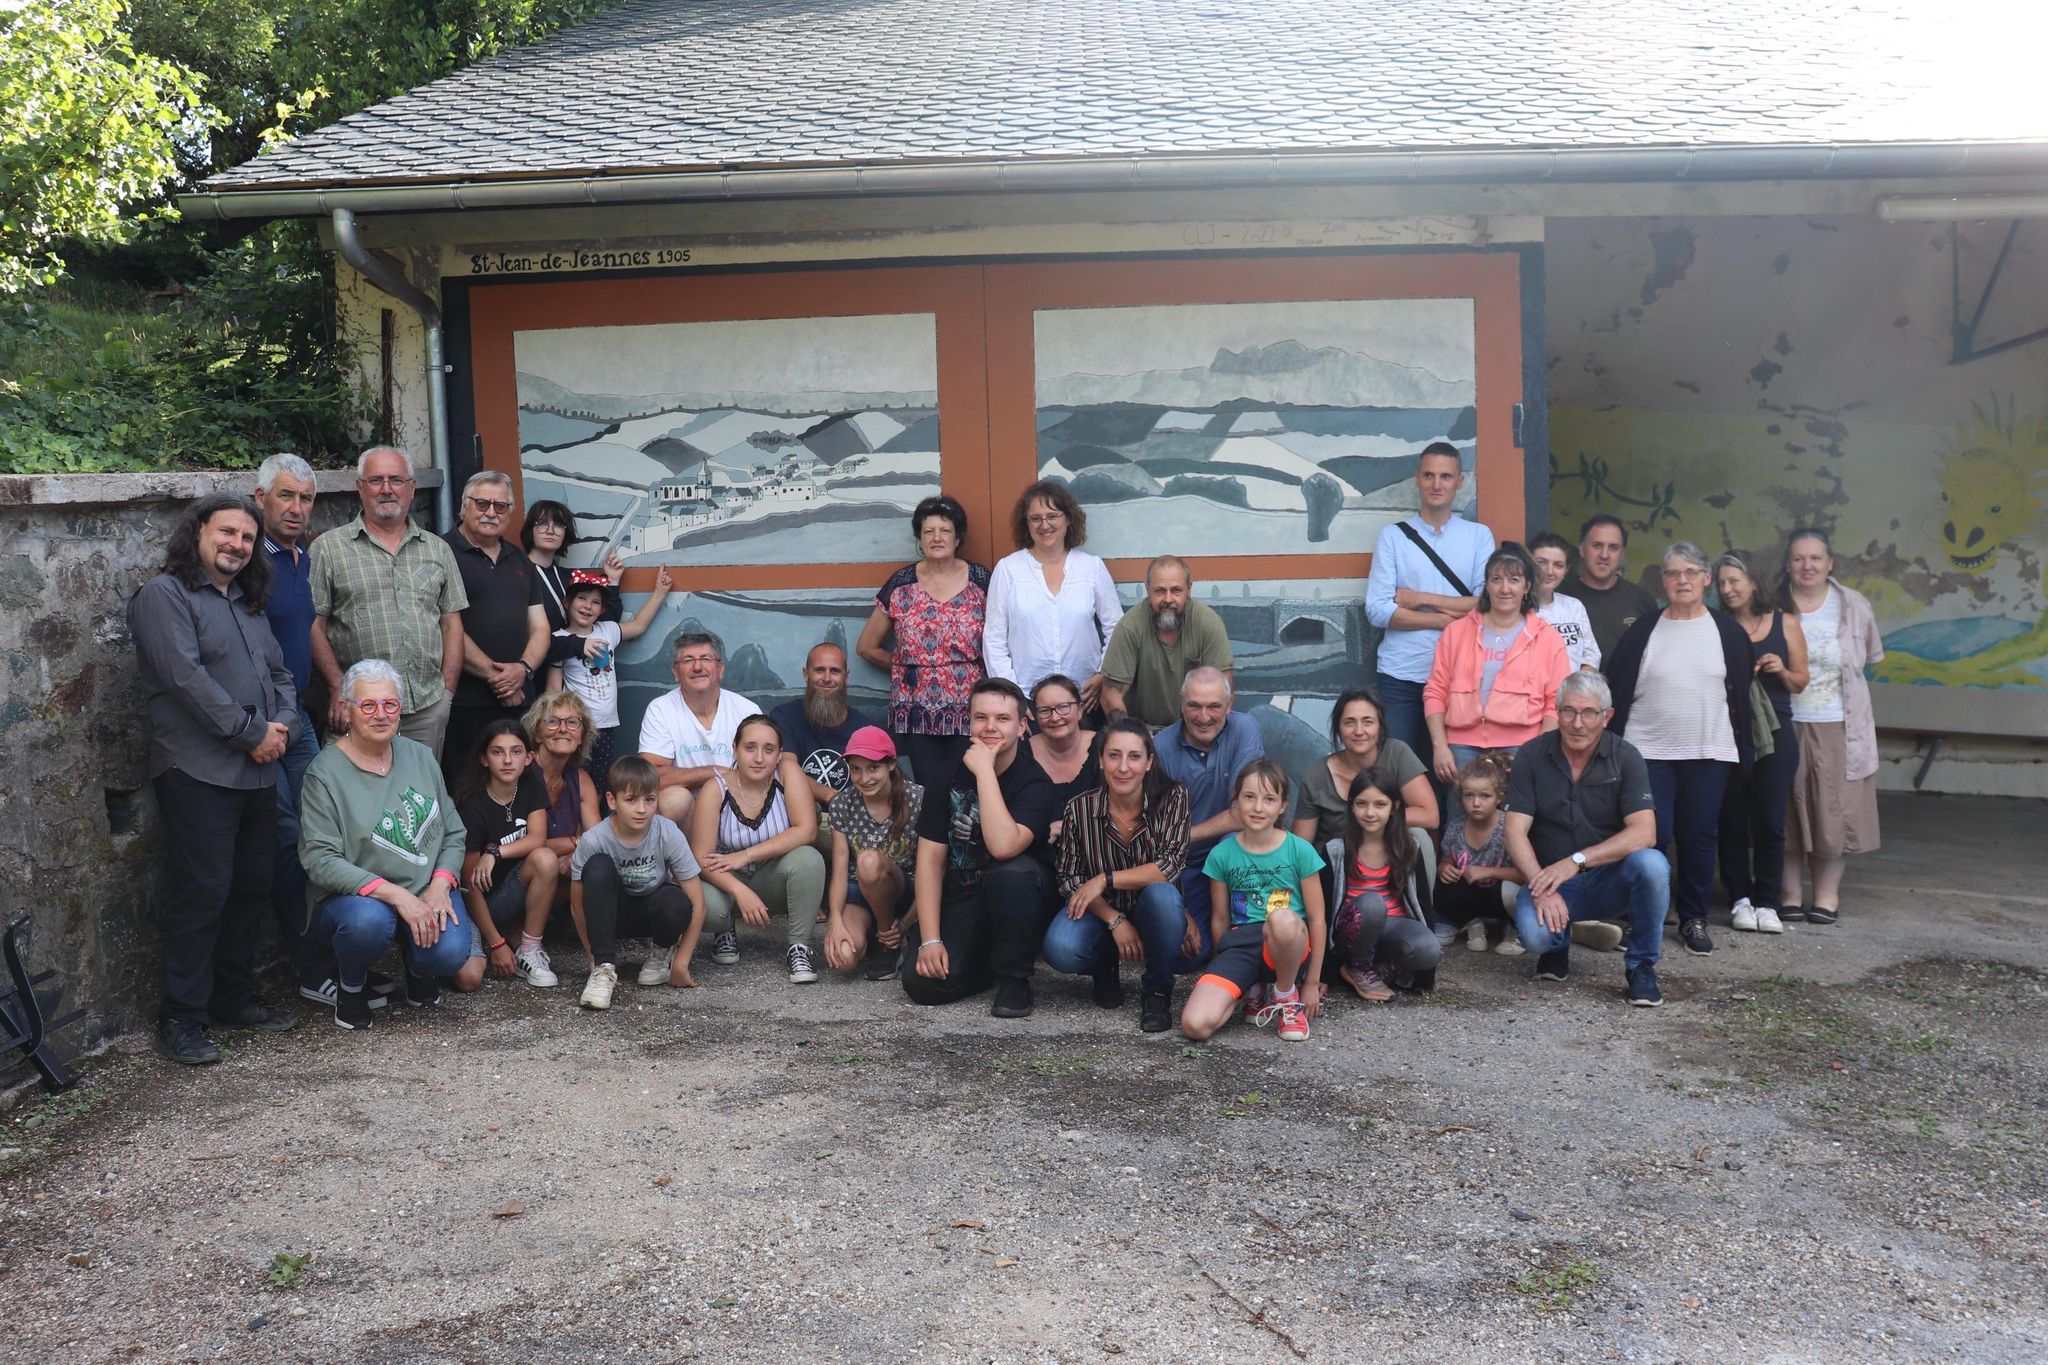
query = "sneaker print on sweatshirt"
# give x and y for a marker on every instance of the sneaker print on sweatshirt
(404, 830)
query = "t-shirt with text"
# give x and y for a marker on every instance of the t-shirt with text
(485, 822)
(662, 855)
(1263, 884)
(821, 752)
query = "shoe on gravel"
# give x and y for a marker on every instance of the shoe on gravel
(1602, 936)
(1693, 934)
(1816, 914)
(1293, 1021)
(1556, 966)
(725, 949)
(598, 990)
(1767, 921)
(1475, 936)
(1109, 988)
(184, 1042)
(535, 969)
(1155, 1012)
(1742, 916)
(1643, 989)
(260, 1018)
(801, 972)
(1510, 945)
(1366, 982)
(654, 971)
(352, 1008)
(322, 991)
(1013, 999)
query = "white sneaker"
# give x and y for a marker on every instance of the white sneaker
(1475, 936)
(801, 973)
(597, 991)
(1767, 921)
(535, 967)
(1744, 916)
(654, 971)
(725, 948)
(1510, 945)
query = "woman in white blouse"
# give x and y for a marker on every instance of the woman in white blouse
(1051, 604)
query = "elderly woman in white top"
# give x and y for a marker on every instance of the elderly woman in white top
(1681, 681)
(1051, 604)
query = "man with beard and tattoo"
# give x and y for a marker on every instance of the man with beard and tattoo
(1158, 643)
(816, 729)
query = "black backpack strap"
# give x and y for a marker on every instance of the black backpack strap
(1434, 558)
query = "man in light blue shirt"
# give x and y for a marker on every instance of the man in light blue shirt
(1411, 600)
(1204, 751)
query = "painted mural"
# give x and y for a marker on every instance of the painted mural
(733, 442)
(1725, 380)
(1250, 428)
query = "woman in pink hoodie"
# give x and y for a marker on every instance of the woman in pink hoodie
(1494, 683)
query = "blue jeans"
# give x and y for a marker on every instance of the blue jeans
(1079, 946)
(1688, 796)
(1639, 886)
(1194, 899)
(288, 882)
(1402, 701)
(361, 929)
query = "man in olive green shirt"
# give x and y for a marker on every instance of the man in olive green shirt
(1157, 642)
(385, 589)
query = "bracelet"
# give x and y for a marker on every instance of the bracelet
(930, 942)
(1121, 918)
(493, 947)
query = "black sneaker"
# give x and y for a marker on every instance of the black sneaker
(1818, 915)
(1420, 983)
(1109, 988)
(421, 991)
(881, 962)
(184, 1042)
(1155, 1011)
(1013, 999)
(381, 988)
(322, 991)
(1643, 989)
(1555, 966)
(1693, 934)
(260, 1017)
(352, 1008)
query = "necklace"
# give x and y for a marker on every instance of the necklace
(380, 767)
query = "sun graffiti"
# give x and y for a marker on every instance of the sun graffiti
(1994, 484)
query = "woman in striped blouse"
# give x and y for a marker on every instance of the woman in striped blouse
(757, 846)
(1120, 853)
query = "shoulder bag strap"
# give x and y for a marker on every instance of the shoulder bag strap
(1416, 538)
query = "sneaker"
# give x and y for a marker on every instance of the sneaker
(1742, 915)
(1643, 989)
(1767, 921)
(1013, 999)
(352, 1008)
(1693, 934)
(1602, 936)
(1816, 914)
(381, 988)
(1366, 982)
(1253, 1002)
(1293, 1021)
(654, 971)
(1475, 936)
(535, 968)
(1555, 966)
(881, 963)
(421, 992)
(801, 972)
(1421, 983)
(322, 991)
(1109, 988)
(184, 1042)
(725, 948)
(598, 989)
(1510, 945)
(259, 1017)
(1155, 1012)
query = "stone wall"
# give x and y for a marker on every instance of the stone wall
(77, 821)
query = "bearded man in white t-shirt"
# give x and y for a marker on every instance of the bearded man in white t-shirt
(687, 734)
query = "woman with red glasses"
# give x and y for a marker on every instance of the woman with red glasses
(382, 847)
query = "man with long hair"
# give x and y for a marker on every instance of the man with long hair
(220, 706)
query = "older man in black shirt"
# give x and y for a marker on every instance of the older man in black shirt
(221, 706)
(504, 627)
(1581, 831)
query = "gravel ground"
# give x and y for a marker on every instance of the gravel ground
(1826, 1146)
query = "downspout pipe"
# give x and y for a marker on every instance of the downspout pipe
(392, 280)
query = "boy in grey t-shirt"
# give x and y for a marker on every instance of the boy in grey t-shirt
(634, 874)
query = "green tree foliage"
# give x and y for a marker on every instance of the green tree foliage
(88, 129)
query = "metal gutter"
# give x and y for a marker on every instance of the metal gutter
(1674, 164)
(392, 281)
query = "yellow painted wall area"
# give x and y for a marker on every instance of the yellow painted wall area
(1723, 380)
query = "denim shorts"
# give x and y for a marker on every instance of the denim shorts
(507, 904)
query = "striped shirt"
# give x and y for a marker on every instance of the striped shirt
(736, 831)
(1091, 844)
(380, 605)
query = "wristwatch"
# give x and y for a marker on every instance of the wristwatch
(1579, 861)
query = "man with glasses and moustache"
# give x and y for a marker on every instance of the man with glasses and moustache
(504, 626)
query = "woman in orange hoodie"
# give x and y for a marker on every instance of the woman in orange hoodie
(1494, 683)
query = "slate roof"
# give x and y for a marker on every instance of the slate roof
(679, 85)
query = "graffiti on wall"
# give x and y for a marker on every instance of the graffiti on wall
(732, 442)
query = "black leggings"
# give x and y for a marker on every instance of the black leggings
(608, 912)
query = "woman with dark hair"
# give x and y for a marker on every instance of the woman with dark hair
(546, 535)
(757, 848)
(1120, 855)
(1051, 604)
(936, 608)
(1359, 740)
(1681, 696)
(1061, 746)
(1494, 682)
(1753, 810)
(510, 875)
(1834, 796)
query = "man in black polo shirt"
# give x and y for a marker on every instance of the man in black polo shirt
(1582, 832)
(504, 627)
(984, 887)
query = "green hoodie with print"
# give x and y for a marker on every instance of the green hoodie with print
(355, 827)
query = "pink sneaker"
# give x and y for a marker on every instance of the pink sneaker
(1293, 1022)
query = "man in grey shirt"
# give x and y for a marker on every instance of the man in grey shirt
(220, 706)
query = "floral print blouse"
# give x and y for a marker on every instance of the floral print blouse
(938, 652)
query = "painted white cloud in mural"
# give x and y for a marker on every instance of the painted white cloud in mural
(1259, 428)
(779, 441)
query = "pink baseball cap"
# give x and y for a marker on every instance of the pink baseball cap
(872, 743)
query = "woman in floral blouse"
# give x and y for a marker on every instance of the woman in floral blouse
(936, 609)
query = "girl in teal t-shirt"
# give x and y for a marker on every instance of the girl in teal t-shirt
(1266, 916)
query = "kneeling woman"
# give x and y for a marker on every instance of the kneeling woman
(1381, 932)
(382, 849)
(757, 844)
(1120, 853)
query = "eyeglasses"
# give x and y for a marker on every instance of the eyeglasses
(1581, 715)
(1047, 519)
(491, 504)
(1054, 710)
(1685, 574)
(372, 705)
(564, 722)
(386, 481)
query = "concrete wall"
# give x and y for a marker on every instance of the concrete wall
(1722, 380)
(77, 821)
